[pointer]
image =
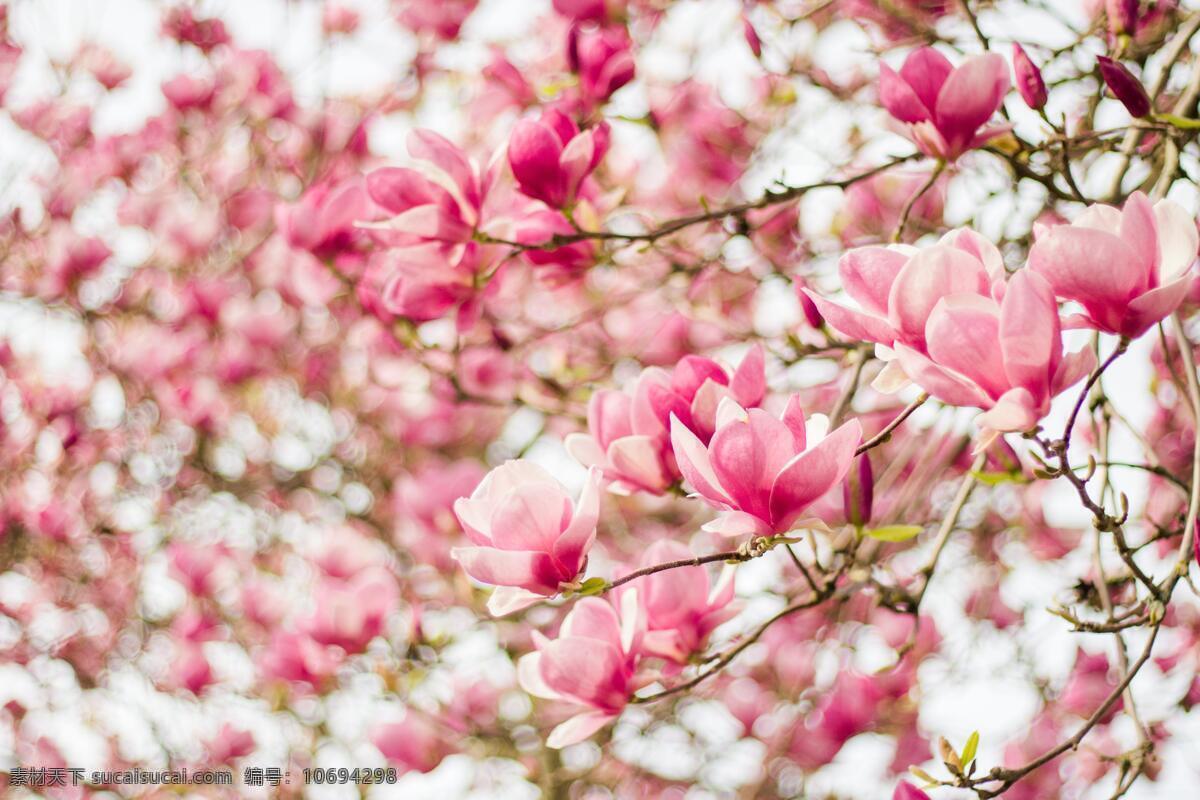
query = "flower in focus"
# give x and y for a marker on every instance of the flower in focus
(528, 538)
(1004, 356)
(897, 287)
(628, 437)
(945, 107)
(1128, 268)
(763, 472)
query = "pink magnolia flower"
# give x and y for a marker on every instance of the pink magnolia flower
(350, 614)
(603, 59)
(873, 206)
(1003, 356)
(761, 471)
(550, 157)
(528, 538)
(323, 220)
(898, 286)
(442, 202)
(592, 664)
(680, 608)
(945, 107)
(1128, 268)
(413, 743)
(628, 436)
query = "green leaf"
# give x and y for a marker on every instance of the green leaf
(592, 586)
(997, 478)
(895, 533)
(968, 753)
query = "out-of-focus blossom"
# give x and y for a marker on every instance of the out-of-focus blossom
(1125, 87)
(945, 107)
(413, 743)
(1128, 268)
(872, 207)
(1029, 79)
(528, 538)
(906, 791)
(603, 59)
(339, 18)
(680, 608)
(763, 471)
(551, 158)
(592, 663)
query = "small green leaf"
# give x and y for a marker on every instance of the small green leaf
(592, 586)
(922, 775)
(895, 533)
(968, 753)
(997, 478)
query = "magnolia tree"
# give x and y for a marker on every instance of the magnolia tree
(708, 399)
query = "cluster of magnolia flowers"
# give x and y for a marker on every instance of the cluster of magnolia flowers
(948, 317)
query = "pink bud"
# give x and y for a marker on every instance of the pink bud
(1122, 16)
(1029, 79)
(811, 315)
(1125, 87)
(858, 490)
(752, 37)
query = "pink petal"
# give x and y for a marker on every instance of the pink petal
(1155, 305)
(899, 98)
(812, 474)
(1138, 230)
(638, 461)
(433, 147)
(1178, 239)
(749, 382)
(573, 545)
(533, 154)
(507, 600)
(926, 71)
(970, 96)
(1016, 410)
(867, 275)
(1092, 267)
(578, 728)
(530, 517)
(736, 524)
(930, 275)
(589, 670)
(398, 189)
(608, 416)
(692, 457)
(1030, 333)
(526, 570)
(852, 324)
(963, 334)
(944, 384)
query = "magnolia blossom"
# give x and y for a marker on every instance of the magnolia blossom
(945, 107)
(550, 158)
(763, 472)
(1004, 356)
(603, 59)
(592, 664)
(898, 286)
(527, 536)
(680, 608)
(1128, 268)
(628, 436)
